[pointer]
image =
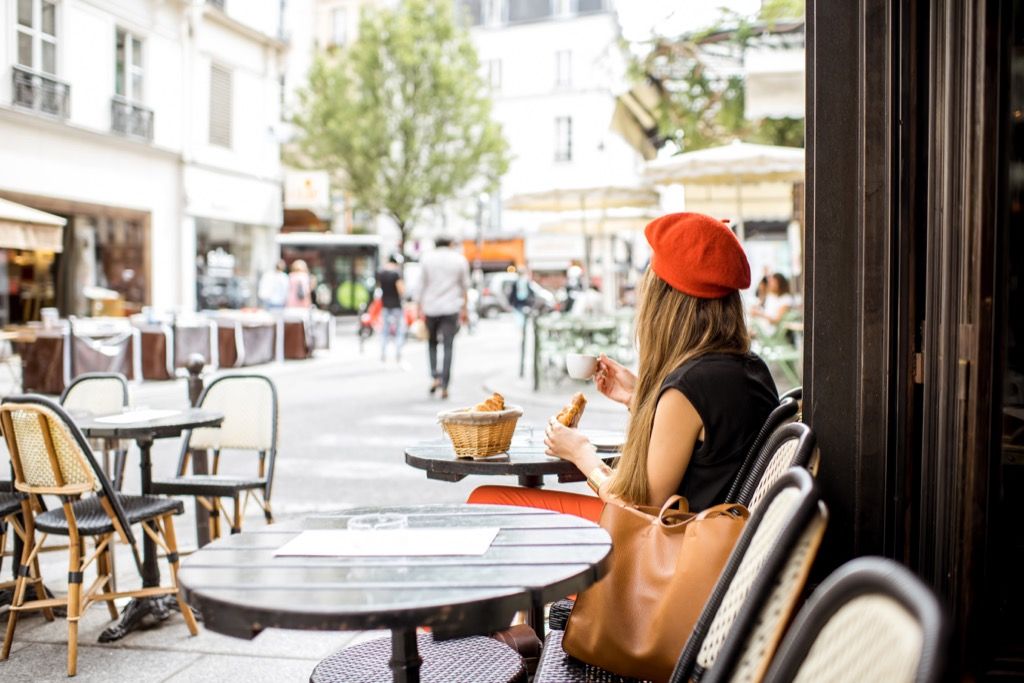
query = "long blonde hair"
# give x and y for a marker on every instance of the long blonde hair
(671, 329)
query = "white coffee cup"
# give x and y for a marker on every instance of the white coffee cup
(581, 365)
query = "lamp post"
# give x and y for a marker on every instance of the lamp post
(478, 272)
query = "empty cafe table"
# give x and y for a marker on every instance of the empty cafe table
(145, 426)
(524, 459)
(241, 587)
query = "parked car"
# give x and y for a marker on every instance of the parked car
(494, 298)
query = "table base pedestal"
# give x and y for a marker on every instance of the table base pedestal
(134, 616)
(405, 657)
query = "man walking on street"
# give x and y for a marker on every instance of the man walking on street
(392, 290)
(443, 293)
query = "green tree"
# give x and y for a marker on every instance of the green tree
(700, 109)
(401, 117)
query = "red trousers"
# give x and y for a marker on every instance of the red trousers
(587, 507)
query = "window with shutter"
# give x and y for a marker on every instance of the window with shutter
(220, 106)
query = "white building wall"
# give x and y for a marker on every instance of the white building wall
(529, 99)
(177, 177)
(239, 184)
(79, 159)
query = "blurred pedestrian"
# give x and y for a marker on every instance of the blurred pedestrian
(300, 286)
(588, 302)
(522, 296)
(273, 289)
(777, 303)
(443, 300)
(392, 292)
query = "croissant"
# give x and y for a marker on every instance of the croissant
(570, 415)
(495, 403)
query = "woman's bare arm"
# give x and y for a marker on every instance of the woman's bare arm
(676, 429)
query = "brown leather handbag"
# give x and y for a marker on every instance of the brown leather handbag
(664, 564)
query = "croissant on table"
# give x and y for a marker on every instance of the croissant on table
(492, 404)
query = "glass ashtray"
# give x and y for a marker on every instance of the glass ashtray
(378, 521)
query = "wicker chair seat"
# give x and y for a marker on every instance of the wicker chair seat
(207, 485)
(92, 520)
(478, 659)
(558, 667)
(9, 504)
(558, 613)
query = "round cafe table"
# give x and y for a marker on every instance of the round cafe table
(240, 587)
(524, 459)
(144, 429)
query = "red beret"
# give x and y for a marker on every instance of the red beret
(698, 255)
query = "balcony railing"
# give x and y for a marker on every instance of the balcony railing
(41, 93)
(131, 119)
(219, 4)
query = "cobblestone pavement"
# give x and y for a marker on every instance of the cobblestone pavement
(345, 419)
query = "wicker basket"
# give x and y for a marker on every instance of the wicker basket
(480, 435)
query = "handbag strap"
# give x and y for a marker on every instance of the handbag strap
(668, 509)
(735, 509)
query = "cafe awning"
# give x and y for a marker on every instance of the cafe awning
(22, 227)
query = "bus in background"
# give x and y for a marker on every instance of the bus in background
(343, 266)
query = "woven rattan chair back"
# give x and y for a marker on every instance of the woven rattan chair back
(51, 456)
(872, 620)
(791, 445)
(783, 413)
(749, 646)
(249, 405)
(100, 393)
(771, 537)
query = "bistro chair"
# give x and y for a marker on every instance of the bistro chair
(753, 597)
(796, 393)
(783, 413)
(10, 509)
(872, 620)
(476, 658)
(756, 464)
(790, 446)
(51, 457)
(249, 405)
(101, 393)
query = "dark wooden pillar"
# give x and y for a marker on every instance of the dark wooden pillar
(851, 275)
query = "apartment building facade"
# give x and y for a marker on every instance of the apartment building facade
(150, 125)
(556, 101)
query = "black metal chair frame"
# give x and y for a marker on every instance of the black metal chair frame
(209, 491)
(786, 409)
(796, 525)
(857, 578)
(796, 393)
(746, 481)
(158, 526)
(120, 454)
(801, 458)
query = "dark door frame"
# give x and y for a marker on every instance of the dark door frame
(903, 195)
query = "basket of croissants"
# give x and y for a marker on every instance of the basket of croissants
(481, 431)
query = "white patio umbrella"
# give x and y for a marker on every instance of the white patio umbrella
(582, 200)
(22, 227)
(737, 163)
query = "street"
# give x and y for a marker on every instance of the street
(346, 418)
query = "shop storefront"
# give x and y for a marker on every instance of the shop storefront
(100, 248)
(230, 257)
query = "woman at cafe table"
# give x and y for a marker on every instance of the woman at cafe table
(699, 397)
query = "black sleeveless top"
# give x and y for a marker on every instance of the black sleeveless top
(733, 394)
